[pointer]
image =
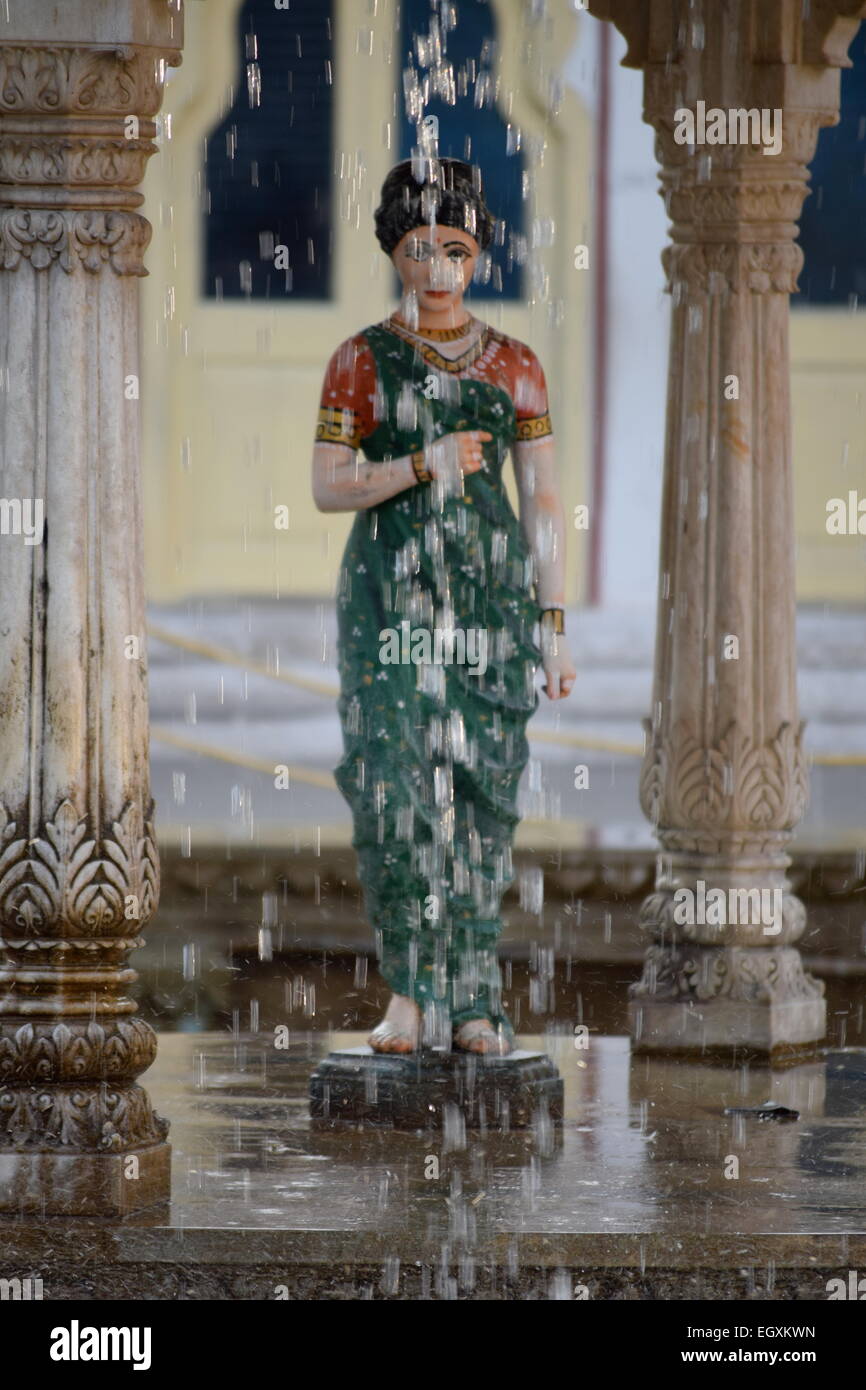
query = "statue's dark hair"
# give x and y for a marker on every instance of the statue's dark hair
(452, 197)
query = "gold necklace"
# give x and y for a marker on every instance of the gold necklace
(436, 335)
(476, 348)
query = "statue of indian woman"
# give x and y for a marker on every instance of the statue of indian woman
(446, 604)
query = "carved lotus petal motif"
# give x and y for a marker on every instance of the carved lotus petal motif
(28, 908)
(11, 856)
(651, 776)
(701, 784)
(62, 880)
(692, 787)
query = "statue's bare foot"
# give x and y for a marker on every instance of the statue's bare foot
(398, 1031)
(479, 1035)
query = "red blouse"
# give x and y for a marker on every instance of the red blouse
(347, 408)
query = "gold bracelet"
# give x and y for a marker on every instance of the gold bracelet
(554, 619)
(421, 473)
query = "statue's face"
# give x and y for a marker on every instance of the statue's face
(437, 263)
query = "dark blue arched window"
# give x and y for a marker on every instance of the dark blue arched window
(469, 131)
(833, 223)
(269, 163)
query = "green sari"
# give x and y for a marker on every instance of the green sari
(434, 752)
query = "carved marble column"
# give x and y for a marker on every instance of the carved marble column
(724, 779)
(80, 85)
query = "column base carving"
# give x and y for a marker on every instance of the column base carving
(84, 1117)
(81, 1148)
(724, 907)
(41, 1051)
(726, 999)
(39, 1183)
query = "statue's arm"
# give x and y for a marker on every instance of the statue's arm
(344, 481)
(542, 516)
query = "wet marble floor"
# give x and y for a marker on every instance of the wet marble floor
(645, 1147)
(646, 1176)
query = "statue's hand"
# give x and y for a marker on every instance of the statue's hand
(460, 453)
(558, 665)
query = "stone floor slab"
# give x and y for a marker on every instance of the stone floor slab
(634, 1195)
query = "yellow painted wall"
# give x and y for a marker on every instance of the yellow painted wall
(231, 390)
(828, 393)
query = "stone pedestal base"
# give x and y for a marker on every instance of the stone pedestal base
(746, 1000)
(427, 1090)
(83, 1184)
(721, 1026)
(726, 999)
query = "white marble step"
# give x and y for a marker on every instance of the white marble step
(613, 653)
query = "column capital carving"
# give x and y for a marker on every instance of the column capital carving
(659, 31)
(56, 80)
(734, 209)
(698, 269)
(89, 239)
(76, 132)
(785, 59)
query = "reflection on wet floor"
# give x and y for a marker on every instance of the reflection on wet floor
(216, 988)
(644, 1148)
